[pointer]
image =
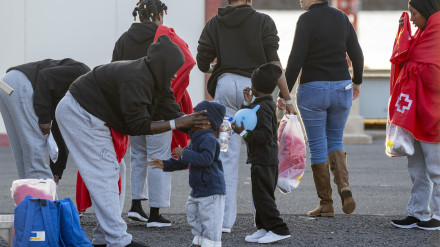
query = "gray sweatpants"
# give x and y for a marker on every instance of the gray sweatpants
(205, 216)
(27, 141)
(424, 169)
(90, 144)
(229, 91)
(143, 149)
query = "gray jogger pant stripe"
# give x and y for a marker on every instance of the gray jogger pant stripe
(27, 141)
(146, 182)
(229, 91)
(90, 144)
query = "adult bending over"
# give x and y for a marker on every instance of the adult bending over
(123, 96)
(29, 113)
(323, 37)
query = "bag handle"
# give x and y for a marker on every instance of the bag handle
(29, 221)
(47, 223)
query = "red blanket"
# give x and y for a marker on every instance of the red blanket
(181, 82)
(83, 201)
(415, 87)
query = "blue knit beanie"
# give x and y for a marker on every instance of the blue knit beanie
(216, 112)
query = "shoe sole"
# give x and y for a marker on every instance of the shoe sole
(429, 229)
(157, 224)
(322, 215)
(226, 230)
(251, 240)
(404, 226)
(348, 203)
(268, 242)
(136, 217)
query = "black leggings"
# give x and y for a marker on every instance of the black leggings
(58, 167)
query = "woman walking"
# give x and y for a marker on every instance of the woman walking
(323, 37)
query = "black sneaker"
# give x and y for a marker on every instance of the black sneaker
(429, 225)
(136, 212)
(158, 221)
(136, 244)
(99, 245)
(408, 222)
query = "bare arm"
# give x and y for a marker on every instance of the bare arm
(195, 120)
(282, 85)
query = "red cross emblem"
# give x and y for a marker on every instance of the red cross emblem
(403, 103)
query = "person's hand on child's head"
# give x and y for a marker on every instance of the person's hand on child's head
(156, 163)
(237, 129)
(177, 152)
(247, 94)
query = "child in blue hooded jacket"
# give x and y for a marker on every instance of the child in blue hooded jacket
(206, 203)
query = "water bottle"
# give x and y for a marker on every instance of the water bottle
(225, 134)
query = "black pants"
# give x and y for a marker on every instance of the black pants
(59, 166)
(264, 182)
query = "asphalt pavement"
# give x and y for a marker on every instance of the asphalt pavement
(380, 185)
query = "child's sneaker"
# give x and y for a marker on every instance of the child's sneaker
(429, 225)
(271, 237)
(254, 237)
(408, 222)
(158, 222)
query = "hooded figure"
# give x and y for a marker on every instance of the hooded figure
(240, 39)
(134, 42)
(126, 94)
(120, 96)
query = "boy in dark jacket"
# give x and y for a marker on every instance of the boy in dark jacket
(262, 145)
(206, 203)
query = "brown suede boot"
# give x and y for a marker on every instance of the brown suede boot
(321, 176)
(338, 166)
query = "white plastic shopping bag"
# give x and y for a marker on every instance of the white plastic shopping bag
(399, 142)
(52, 147)
(38, 188)
(291, 153)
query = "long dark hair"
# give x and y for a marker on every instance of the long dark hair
(149, 10)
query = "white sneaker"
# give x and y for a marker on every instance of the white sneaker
(271, 237)
(226, 230)
(137, 217)
(254, 237)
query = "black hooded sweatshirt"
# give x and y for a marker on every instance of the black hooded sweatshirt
(134, 43)
(50, 80)
(241, 39)
(126, 94)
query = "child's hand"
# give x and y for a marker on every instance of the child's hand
(177, 152)
(247, 93)
(156, 163)
(236, 128)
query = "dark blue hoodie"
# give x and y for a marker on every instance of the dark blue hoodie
(205, 168)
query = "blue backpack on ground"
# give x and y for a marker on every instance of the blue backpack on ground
(36, 223)
(72, 234)
(40, 222)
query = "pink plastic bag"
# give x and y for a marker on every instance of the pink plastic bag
(38, 188)
(291, 153)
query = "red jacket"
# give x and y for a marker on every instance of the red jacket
(415, 87)
(181, 82)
